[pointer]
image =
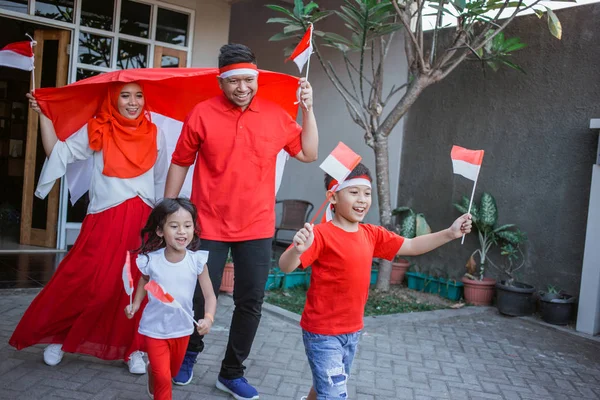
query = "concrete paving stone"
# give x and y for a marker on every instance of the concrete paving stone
(467, 354)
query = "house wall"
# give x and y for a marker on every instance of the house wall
(211, 29)
(305, 181)
(534, 128)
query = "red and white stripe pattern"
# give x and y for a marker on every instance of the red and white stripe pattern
(238, 69)
(17, 55)
(302, 52)
(340, 162)
(466, 162)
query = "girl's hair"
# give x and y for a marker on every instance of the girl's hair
(157, 220)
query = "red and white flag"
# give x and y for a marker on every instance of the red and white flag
(127, 278)
(340, 162)
(302, 52)
(466, 162)
(17, 55)
(159, 292)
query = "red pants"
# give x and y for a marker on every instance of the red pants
(166, 357)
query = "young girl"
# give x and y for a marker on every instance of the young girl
(169, 257)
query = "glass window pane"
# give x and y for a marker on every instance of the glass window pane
(14, 5)
(169, 62)
(83, 73)
(132, 55)
(171, 27)
(97, 14)
(135, 18)
(94, 49)
(60, 10)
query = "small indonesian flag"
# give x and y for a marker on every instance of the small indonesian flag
(17, 55)
(161, 294)
(302, 52)
(340, 162)
(127, 279)
(466, 162)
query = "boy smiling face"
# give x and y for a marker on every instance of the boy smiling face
(352, 203)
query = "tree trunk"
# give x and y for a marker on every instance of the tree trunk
(382, 171)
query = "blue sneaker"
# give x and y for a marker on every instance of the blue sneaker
(186, 372)
(239, 388)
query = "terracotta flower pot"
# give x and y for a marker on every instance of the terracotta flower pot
(399, 268)
(227, 280)
(477, 292)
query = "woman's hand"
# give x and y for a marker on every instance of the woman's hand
(33, 104)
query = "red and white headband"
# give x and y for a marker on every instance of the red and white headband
(238, 69)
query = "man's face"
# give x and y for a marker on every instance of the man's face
(239, 89)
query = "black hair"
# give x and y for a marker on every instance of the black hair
(359, 170)
(235, 53)
(157, 220)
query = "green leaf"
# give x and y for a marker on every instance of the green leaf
(513, 66)
(298, 8)
(400, 210)
(310, 7)
(293, 28)
(503, 228)
(539, 13)
(281, 36)
(281, 21)
(282, 10)
(488, 210)
(554, 24)
(511, 236)
(422, 227)
(335, 38)
(316, 17)
(408, 227)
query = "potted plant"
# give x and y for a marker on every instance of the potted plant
(227, 279)
(479, 289)
(412, 225)
(556, 306)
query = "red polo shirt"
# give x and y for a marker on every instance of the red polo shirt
(235, 152)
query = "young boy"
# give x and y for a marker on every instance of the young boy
(341, 253)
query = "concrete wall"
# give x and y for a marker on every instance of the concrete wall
(539, 148)
(305, 181)
(211, 29)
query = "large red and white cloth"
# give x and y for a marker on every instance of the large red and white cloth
(170, 94)
(466, 162)
(82, 305)
(303, 50)
(17, 55)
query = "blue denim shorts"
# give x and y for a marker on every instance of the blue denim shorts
(330, 358)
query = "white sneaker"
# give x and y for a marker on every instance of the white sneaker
(53, 354)
(136, 363)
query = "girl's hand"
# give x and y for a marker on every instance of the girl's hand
(461, 226)
(130, 310)
(204, 326)
(303, 239)
(33, 104)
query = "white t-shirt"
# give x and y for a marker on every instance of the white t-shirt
(160, 321)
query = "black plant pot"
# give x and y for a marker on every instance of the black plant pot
(515, 300)
(557, 309)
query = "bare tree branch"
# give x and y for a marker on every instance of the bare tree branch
(416, 48)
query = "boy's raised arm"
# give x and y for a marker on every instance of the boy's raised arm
(425, 243)
(303, 239)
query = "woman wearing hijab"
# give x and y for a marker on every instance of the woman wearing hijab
(81, 309)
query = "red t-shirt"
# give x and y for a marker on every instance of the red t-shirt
(341, 273)
(235, 153)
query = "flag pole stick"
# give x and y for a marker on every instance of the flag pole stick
(470, 204)
(311, 27)
(33, 43)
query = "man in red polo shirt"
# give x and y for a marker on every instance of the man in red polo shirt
(234, 140)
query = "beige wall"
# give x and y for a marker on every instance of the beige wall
(305, 181)
(211, 29)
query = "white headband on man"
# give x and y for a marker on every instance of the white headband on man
(238, 69)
